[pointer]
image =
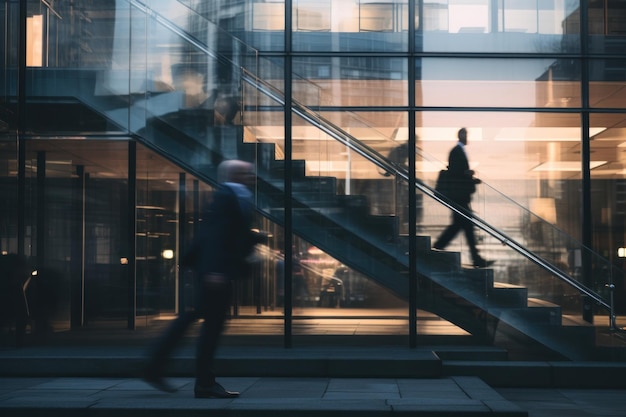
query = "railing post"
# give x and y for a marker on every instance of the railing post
(612, 318)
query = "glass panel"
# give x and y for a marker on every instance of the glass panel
(338, 201)
(8, 205)
(386, 195)
(17, 322)
(346, 25)
(607, 81)
(544, 177)
(9, 12)
(506, 149)
(265, 25)
(607, 26)
(193, 106)
(312, 16)
(609, 197)
(8, 240)
(263, 293)
(157, 235)
(356, 81)
(106, 277)
(75, 231)
(77, 74)
(504, 26)
(498, 82)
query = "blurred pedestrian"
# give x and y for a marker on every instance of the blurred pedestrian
(217, 255)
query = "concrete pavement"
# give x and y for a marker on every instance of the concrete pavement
(283, 396)
(316, 381)
(265, 396)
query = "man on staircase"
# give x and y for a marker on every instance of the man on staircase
(462, 186)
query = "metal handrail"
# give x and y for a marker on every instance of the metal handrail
(395, 169)
(388, 166)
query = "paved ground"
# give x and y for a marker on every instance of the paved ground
(464, 396)
(455, 396)
(379, 381)
(568, 402)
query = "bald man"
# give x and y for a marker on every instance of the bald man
(217, 255)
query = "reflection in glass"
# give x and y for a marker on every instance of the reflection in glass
(498, 82)
(356, 80)
(346, 25)
(505, 26)
(607, 82)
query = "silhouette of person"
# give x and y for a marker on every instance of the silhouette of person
(463, 185)
(399, 155)
(217, 255)
(226, 109)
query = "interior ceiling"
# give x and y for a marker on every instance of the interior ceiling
(493, 154)
(103, 159)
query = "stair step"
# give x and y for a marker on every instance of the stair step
(509, 296)
(423, 244)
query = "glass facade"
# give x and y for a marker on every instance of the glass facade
(115, 113)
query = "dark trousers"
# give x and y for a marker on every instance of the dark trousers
(459, 223)
(212, 305)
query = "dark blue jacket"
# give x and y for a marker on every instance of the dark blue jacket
(224, 238)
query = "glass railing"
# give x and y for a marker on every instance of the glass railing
(552, 265)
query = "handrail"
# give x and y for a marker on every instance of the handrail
(394, 169)
(176, 29)
(388, 166)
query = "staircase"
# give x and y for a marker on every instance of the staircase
(470, 298)
(342, 226)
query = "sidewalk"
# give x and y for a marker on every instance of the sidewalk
(260, 397)
(310, 397)
(379, 381)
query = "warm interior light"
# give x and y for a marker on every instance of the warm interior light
(621, 252)
(545, 134)
(124, 261)
(268, 16)
(34, 41)
(439, 134)
(544, 208)
(565, 166)
(168, 254)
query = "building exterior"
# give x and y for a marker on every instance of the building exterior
(115, 113)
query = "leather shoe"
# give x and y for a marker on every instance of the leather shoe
(157, 381)
(214, 391)
(482, 263)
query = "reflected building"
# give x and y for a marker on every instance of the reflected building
(115, 113)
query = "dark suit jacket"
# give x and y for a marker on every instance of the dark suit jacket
(462, 182)
(224, 238)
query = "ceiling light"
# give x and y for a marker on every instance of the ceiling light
(545, 134)
(439, 134)
(565, 166)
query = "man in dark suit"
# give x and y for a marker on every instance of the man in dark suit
(217, 255)
(462, 186)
